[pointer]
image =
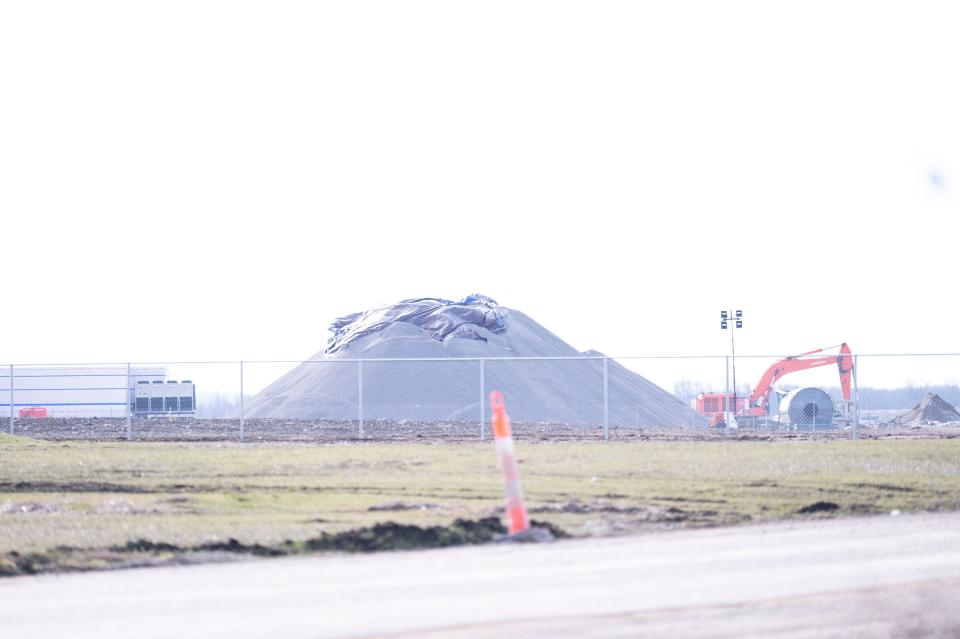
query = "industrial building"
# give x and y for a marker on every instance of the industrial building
(93, 391)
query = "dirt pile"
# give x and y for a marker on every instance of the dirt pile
(380, 537)
(819, 507)
(393, 536)
(566, 387)
(932, 409)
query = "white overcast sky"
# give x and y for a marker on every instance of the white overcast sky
(219, 180)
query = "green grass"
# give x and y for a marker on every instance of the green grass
(9, 441)
(95, 495)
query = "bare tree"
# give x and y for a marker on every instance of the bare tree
(687, 389)
(218, 405)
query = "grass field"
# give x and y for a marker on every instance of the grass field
(74, 505)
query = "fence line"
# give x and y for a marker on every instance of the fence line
(575, 412)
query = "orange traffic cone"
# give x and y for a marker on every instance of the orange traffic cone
(503, 439)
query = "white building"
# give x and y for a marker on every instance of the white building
(91, 391)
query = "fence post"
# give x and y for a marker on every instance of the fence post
(129, 420)
(856, 400)
(360, 399)
(606, 410)
(726, 396)
(242, 415)
(482, 398)
(11, 399)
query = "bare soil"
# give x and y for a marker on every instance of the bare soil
(327, 431)
(380, 537)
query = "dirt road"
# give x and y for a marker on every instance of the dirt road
(885, 576)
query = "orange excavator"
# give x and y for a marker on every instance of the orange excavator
(757, 406)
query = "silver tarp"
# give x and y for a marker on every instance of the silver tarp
(442, 319)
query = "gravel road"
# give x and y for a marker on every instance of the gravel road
(886, 576)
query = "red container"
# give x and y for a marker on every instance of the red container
(35, 412)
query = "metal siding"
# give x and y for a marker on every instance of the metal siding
(74, 391)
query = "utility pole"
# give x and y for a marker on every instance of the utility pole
(737, 318)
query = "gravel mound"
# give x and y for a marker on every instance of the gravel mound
(558, 391)
(931, 409)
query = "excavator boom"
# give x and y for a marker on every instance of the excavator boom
(760, 397)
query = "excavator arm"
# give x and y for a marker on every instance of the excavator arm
(760, 397)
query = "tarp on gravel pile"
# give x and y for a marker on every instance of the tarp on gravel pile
(568, 391)
(441, 319)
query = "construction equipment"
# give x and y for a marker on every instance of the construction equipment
(757, 405)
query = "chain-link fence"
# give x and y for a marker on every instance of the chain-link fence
(588, 397)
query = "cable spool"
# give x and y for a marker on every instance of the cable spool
(808, 408)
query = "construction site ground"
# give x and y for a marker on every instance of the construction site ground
(328, 431)
(81, 505)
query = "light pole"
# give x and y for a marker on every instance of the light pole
(737, 318)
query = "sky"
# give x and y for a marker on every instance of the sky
(220, 180)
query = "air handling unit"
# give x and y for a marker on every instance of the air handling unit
(164, 397)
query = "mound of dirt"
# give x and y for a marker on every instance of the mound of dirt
(931, 409)
(394, 536)
(819, 507)
(384, 536)
(565, 388)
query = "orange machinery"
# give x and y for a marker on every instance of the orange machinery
(714, 405)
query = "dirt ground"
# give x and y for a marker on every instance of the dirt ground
(285, 430)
